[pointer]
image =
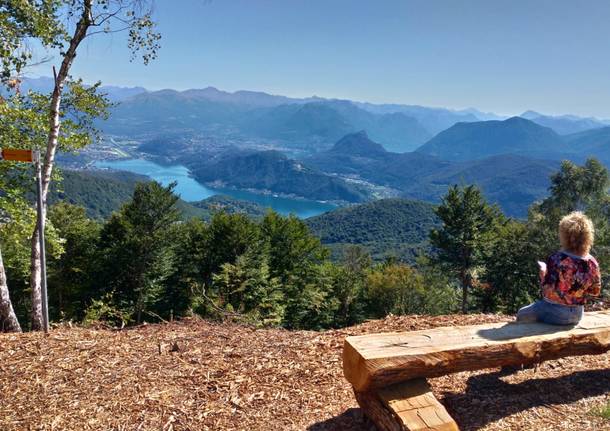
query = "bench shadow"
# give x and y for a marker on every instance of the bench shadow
(488, 398)
(514, 330)
(350, 420)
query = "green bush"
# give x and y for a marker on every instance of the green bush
(104, 311)
(400, 289)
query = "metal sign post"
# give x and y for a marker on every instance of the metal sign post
(30, 156)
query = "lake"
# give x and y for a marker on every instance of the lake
(190, 190)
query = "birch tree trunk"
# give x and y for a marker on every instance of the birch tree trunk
(8, 319)
(80, 33)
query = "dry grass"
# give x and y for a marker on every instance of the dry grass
(197, 375)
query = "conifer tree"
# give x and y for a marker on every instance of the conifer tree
(460, 242)
(137, 248)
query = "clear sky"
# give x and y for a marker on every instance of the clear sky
(504, 56)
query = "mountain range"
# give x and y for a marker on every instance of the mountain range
(115, 93)
(511, 160)
(312, 123)
(511, 180)
(349, 151)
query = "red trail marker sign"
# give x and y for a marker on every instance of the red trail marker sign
(16, 155)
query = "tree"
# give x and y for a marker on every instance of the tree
(138, 250)
(349, 285)
(228, 236)
(510, 277)
(21, 21)
(248, 288)
(309, 297)
(16, 221)
(185, 287)
(70, 275)
(400, 289)
(460, 243)
(8, 318)
(577, 188)
(291, 245)
(63, 25)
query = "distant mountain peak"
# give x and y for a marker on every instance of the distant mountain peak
(515, 135)
(358, 144)
(530, 115)
(564, 124)
(517, 119)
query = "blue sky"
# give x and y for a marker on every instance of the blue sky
(504, 56)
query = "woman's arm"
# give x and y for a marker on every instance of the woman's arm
(595, 287)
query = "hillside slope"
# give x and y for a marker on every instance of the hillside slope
(516, 135)
(386, 228)
(103, 192)
(197, 375)
(272, 170)
(100, 192)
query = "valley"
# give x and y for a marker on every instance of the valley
(309, 155)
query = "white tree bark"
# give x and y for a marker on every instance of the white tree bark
(8, 319)
(80, 33)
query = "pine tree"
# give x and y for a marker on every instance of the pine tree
(460, 243)
(137, 248)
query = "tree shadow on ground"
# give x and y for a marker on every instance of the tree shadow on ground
(350, 420)
(488, 398)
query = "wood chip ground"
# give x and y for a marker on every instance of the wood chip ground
(198, 375)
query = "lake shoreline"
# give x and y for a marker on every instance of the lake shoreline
(191, 190)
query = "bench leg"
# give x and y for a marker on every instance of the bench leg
(406, 406)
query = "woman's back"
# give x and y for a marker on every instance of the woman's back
(571, 278)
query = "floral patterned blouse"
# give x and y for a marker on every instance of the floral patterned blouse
(570, 279)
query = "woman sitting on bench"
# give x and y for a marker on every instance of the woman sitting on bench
(571, 275)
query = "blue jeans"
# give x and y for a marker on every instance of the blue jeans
(549, 312)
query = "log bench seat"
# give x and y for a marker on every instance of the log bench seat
(388, 371)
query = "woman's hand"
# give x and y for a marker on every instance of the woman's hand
(542, 272)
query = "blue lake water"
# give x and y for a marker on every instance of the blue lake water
(191, 190)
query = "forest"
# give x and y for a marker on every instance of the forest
(146, 263)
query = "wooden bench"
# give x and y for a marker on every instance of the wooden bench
(388, 371)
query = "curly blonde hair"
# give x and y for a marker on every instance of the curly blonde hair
(576, 233)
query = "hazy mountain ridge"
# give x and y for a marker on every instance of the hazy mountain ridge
(565, 124)
(311, 125)
(516, 135)
(591, 143)
(114, 92)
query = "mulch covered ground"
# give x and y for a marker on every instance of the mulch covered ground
(197, 375)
